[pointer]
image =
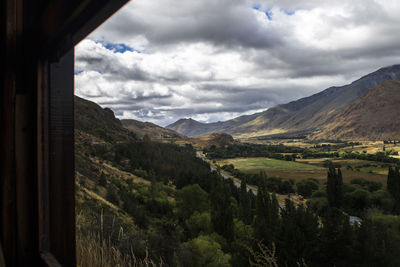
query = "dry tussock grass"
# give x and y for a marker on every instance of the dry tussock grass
(95, 250)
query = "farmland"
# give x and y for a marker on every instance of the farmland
(312, 162)
(304, 169)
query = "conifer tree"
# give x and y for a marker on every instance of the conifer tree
(102, 180)
(337, 240)
(245, 211)
(339, 188)
(262, 208)
(266, 220)
(298, 235)
(334, 187)
(391, 183)
(393, 186)
(274, 216)
(221, 210)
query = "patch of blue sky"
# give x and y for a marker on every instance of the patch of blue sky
(268, 12)
(256, 6)
(118, 47)
(78, 72)
(289, 12)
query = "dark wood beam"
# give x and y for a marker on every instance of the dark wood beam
(7, 142)
(37, 208)
(64, 23)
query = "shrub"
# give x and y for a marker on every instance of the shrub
(366, 184)
(319, 205)
(306, 187)
(203, 251)
(357, 200)
(112, 196)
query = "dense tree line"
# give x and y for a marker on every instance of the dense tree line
(379, 157)
(252, 150)
(211, 222)
(309, 154)
(274, 184)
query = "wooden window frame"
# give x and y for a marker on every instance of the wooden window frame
(37, 205)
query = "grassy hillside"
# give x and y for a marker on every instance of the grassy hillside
(306, 114)
(216, 139)
(152, 130)
(99, 123)
(129, 205)
(144, 203)
(375, 116)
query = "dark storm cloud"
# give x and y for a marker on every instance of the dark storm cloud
(241, 98)
(112, 68)
(216, 59)
(224, 22)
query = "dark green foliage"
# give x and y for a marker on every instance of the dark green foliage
(319, 205)
(221, 210)
(191, 199)
(245, 209)
(378, 156)
(266, 222)
(199, 223)
(393, 187)
(358, 200)
(298, 235)
(307, 187)
(308, 154)
(190, 216)
(252, 150)
(132, 206)
(164, 240)
(377, 242)
(101, 123)
(163, 162)
(366, 184)
(334, 187)
(273, 184)
(337, 240)
(112, 196)
(382, 199)
(203, 251)
(102, 180)
(393, 183)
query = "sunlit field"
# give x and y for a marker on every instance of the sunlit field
(309, 168)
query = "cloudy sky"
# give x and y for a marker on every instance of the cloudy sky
(211, 60)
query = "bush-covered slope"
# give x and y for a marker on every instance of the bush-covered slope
(152, 130)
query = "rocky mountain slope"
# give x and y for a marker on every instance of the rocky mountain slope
(98, 123)
(215, 139)
(152, 130)
(374, 116)
(306, 114)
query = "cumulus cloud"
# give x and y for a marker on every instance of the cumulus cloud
(216, 59)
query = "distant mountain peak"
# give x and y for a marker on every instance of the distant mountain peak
(305, 114)
(150, 129)
(374, 116)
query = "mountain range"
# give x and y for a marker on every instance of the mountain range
(327, 110)
(374, 116)
(150, 129)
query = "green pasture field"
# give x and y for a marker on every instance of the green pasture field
(308, 168)
(251, 164)
(365, 166)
